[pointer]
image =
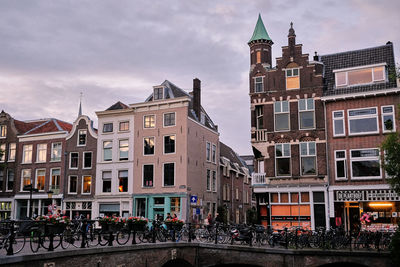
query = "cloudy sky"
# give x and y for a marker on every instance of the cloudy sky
(50, 51)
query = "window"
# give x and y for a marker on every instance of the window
(214, 154)
(148, 146)
(40, 178)
(82, 137)
(259, 117)
(107, 150)
(365, 164)
(86, 185)
(10, 180)
(56, 151)
(281, 109)
(308, 159)
(124, 126)
(55, 179)
(169, 174)
(26, 178)
(149, 121)
(363, 121)
(41, 152)
(282, 155)
(27, 154)
(208, 151)
(73, 160)
(340, 164)
(2, 152)
(208, 180)
(292, 79)
(123, 149)
(148, 172)
(258, 84)
(106, 177)
(1, 179)
(360, 76)
(87, 160)
(123, 181)
(158, 93)
(169, 144)
(388, 121)
(73, 185)
(12, 151)
(169, 119)
(214, 181)
(338, 123)
(258, 56)
(306, 113)
(3, 131)
(237, 193)
(107, 127)
(175, 205)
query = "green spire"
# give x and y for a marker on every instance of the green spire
(260, 33)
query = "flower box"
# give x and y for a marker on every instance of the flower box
(137, 223)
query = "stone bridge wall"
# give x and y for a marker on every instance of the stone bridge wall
(194, 255)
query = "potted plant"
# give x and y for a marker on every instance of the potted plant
(53, 224)
(174, 223)
(112, 224)
(137, 223)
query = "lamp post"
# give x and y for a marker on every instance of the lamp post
(30, 188)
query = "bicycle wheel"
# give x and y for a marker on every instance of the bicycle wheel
(34, 241)
(123, 236)
(103, 238)
(161, 236)
(66, 239)
(18, 243)
(92, 239)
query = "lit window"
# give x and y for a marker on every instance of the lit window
(106, 177)
(169, 174)
(107, 128)
(82, 137)
(259, 117)
(12, 151)
(148, 146)
(148, 174)
(149, 121)
(169, 119)
(360, 76)
(365, 164)
(158, 93)
(308, 158)
(87, 160)
(169, 144)
(73, 160)
(26, 178)
(56, 151)
(41, 152)
(107, 150)
(2, 152)
(292, 79)
(281, 109)
(282, 155)
(123, 181)
(340, 164)
(27, 154)
(338, 123)
(40, 178)
(306, 113)
(86, 186)
(363, 121)
(73, 184)
(388, 121)
(55, 179)
(124, 126)
(258, 84)
(258, 55)
(3, 131)
(175, 205)
(123, 149)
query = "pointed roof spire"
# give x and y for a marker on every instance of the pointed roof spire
(260, 33)
(80, 105)
(291, 30)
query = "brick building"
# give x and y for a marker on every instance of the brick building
(287, 133)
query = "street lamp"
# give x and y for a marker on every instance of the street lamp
(30, 188)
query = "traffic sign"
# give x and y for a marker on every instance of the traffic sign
(193, 200)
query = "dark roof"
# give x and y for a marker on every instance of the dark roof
(227, 152)
(356, 58)
(118, 105)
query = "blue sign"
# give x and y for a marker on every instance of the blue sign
(197, 210)
(193, 199)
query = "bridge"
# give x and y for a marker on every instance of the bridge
(198, 255)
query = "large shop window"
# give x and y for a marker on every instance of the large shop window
(340, 164)
(281, 109)
(169, 174)
(140, 207)
(175, 205)
(259, 117)
(106, 177)
(338, 123)
(148, 172)
(282, 155)
(360, 76)
(363, 121)
(388, 121)
(306, 113)
(308, 158)
(365, 164)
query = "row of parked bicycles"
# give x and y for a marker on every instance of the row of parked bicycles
(15, 235)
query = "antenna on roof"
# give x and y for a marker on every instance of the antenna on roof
(80, 105)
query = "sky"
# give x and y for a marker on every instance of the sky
(111, 51)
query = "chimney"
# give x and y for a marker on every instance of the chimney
(316, 57)
(196, 97)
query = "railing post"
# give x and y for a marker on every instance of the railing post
(110, 238)
(323, 238)
(153, 230)
(190, 233)
(10, 250)
(286, 239)
(51, 237)
(84, 226)
(134, 236)
(173, 233)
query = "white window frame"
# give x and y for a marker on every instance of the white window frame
(345, 165)
(170, 153)
(372, 67)
(3, 147)
(163, 181)
(12, 147)
(52, 152)
(208, 153)
(349, 118)
(51, 178)
(70, 161)
(292, 75)
(38, 150)
(214, 186)
(258, 116)
(112, 130)
(281, 112)
(79, 133)
(162, 93)
(283, 156)
(119, 126)
(208, 180)
(127, 178)
(36, 178)
(377, 158)
(166, 126)
(255, 84)
(69, 184)
(102, 181)
(22, 179)
(103, 150)
(24, 149)
(306, 110)
(214, 153)
(83, 160)
(144, 121)
(154, 140)
(119, 150)
(143, 175)
(389, 113)
(91, 179)
(338, 119)
(3, 131)
(308, 155)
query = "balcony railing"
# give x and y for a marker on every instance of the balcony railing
(261, 135)
(258, 179)
(55, 189)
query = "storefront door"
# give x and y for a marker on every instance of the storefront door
(354, 218)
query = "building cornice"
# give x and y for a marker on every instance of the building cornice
(360, 95)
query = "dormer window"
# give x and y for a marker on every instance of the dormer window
(360, 76)
(158, 93)
(292, 79)
(82, 137)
